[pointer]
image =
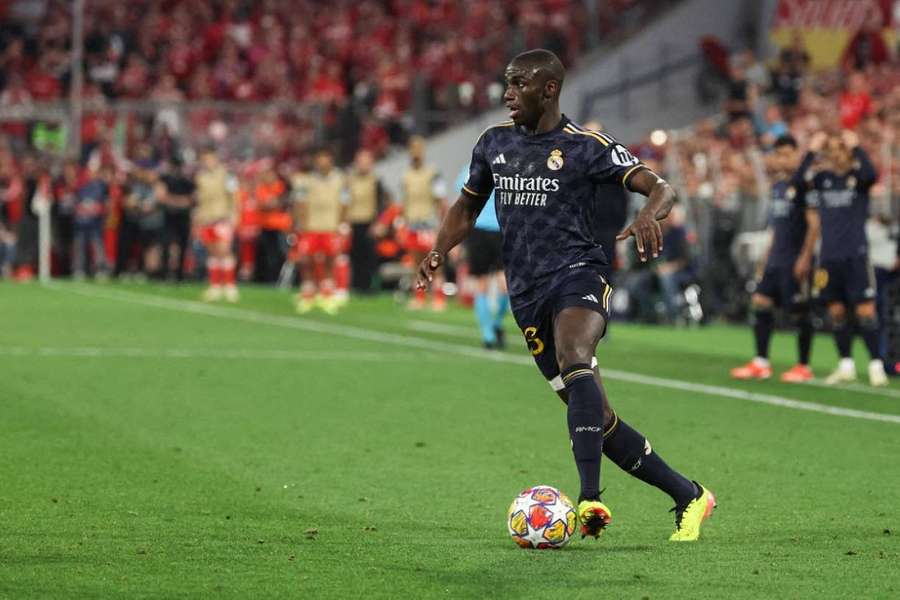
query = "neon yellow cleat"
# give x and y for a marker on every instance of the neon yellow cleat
(303, 305)
(594, 516)
(689, 518)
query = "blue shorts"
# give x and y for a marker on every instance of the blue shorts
(588, 289)
(779, 284)
(850, 281)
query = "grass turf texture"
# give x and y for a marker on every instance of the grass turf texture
(142, 457)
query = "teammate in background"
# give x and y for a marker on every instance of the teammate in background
(368, 198)
(215, 218)
(840, 192)
(543, 168)
(320, 208)
(423, 204)
(784, 279)
(484, 249)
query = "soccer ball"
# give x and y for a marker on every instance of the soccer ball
(541, 517)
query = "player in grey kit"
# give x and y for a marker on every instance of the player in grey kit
(840, 192)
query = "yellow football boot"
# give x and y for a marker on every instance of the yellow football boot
(689, 518)
(594, 516)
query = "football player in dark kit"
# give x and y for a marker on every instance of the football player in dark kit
(785, 278)
(840, 192)
(543, 169)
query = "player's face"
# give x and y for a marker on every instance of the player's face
(836, 153)
(323, 162)
(210, 160)
(364, 161)
(524, 95)
(787, 158)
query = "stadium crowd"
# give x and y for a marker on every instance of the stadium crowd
(127, 206)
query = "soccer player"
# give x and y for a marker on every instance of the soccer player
(423, 203)
(784, 281)
(321, 207)
(368, 197)
(215, 218)
(840, 192)
(484, 249)
(542, 168)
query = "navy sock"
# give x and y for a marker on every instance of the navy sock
(633, 454)
(804, 338)
(585, 417)
(868, 329)
(843, 337)
(763, 324)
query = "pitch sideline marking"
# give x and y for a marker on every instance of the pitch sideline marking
(240, 314)
(123, 352)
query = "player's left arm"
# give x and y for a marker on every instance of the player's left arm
(804, 260)
(645, 227)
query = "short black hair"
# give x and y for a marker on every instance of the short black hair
(786, 140)
(543, 60)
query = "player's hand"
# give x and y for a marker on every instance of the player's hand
(818, 141)
(427, 267)
(801, 268)
(850, 138)
(647, 236)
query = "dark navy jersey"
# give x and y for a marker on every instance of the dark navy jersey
(544, 186)
(843, 204)
(787, 217)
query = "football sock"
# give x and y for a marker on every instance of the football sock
(843, 338)
(585, 417)
(763, 323)
(485, 321)
(868, 329)
(633, 454)
(226, 272)
(804, 338)
(214, 270)
(502, 308)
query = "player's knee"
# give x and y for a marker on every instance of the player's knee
(865, 311)
(573, 353)
(837, 313)
(867, 322)
(800, 315)
(760, 302)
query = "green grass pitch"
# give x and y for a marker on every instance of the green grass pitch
(152, 446)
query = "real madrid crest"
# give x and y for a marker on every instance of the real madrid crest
(851, 182)
(791, 193)
(555, 160)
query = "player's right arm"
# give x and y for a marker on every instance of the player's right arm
(461, 216)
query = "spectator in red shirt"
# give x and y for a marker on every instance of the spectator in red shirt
(855, 103)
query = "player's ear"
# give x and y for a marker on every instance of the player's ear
(551, 89)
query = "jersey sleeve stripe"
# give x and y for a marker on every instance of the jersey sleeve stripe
(631, 171)
(587, 133)
(500, 124)
(472, 192)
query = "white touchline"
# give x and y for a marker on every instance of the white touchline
(247, 354)
(240, 314)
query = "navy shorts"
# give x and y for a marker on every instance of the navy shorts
(850, 281)
(588, 289)
(779, 284)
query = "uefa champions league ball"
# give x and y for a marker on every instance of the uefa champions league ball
(541, 517)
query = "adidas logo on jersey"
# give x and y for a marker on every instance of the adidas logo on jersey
(500, 160)
(591, 297)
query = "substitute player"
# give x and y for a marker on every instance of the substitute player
(423, 203)
(793, 232)
(840, 192)
(543, 168)
(321, 200)
(484, 249)
(215, 218)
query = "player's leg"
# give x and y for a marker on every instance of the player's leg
(213, 266)
(867, 322)
(843, 339)
(763, 323)
(306, 296)
(227, 266)
(501, 306)
(326, 299)
(576, 332)
(801, 318)
(482, 306)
